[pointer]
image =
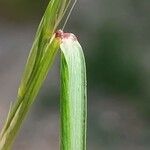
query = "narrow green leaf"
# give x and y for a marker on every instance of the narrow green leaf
(40, 59)
(14, 121)
(73, 95)
(51, 19)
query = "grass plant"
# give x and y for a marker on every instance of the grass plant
(73, 81)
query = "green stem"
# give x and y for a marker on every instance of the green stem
(21, 108)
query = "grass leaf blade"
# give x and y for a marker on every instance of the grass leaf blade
(73, 95)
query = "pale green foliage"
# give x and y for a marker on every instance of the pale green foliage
(73, 96)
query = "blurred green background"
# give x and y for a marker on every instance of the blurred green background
(115, 36)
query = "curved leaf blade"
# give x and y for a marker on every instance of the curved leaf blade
(73, 95)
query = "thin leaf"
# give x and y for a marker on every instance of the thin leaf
(14, 122)
(46, 29)
(41, 56)
(73, 95)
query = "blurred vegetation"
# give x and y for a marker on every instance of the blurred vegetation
(21, 10)
(117, 68)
